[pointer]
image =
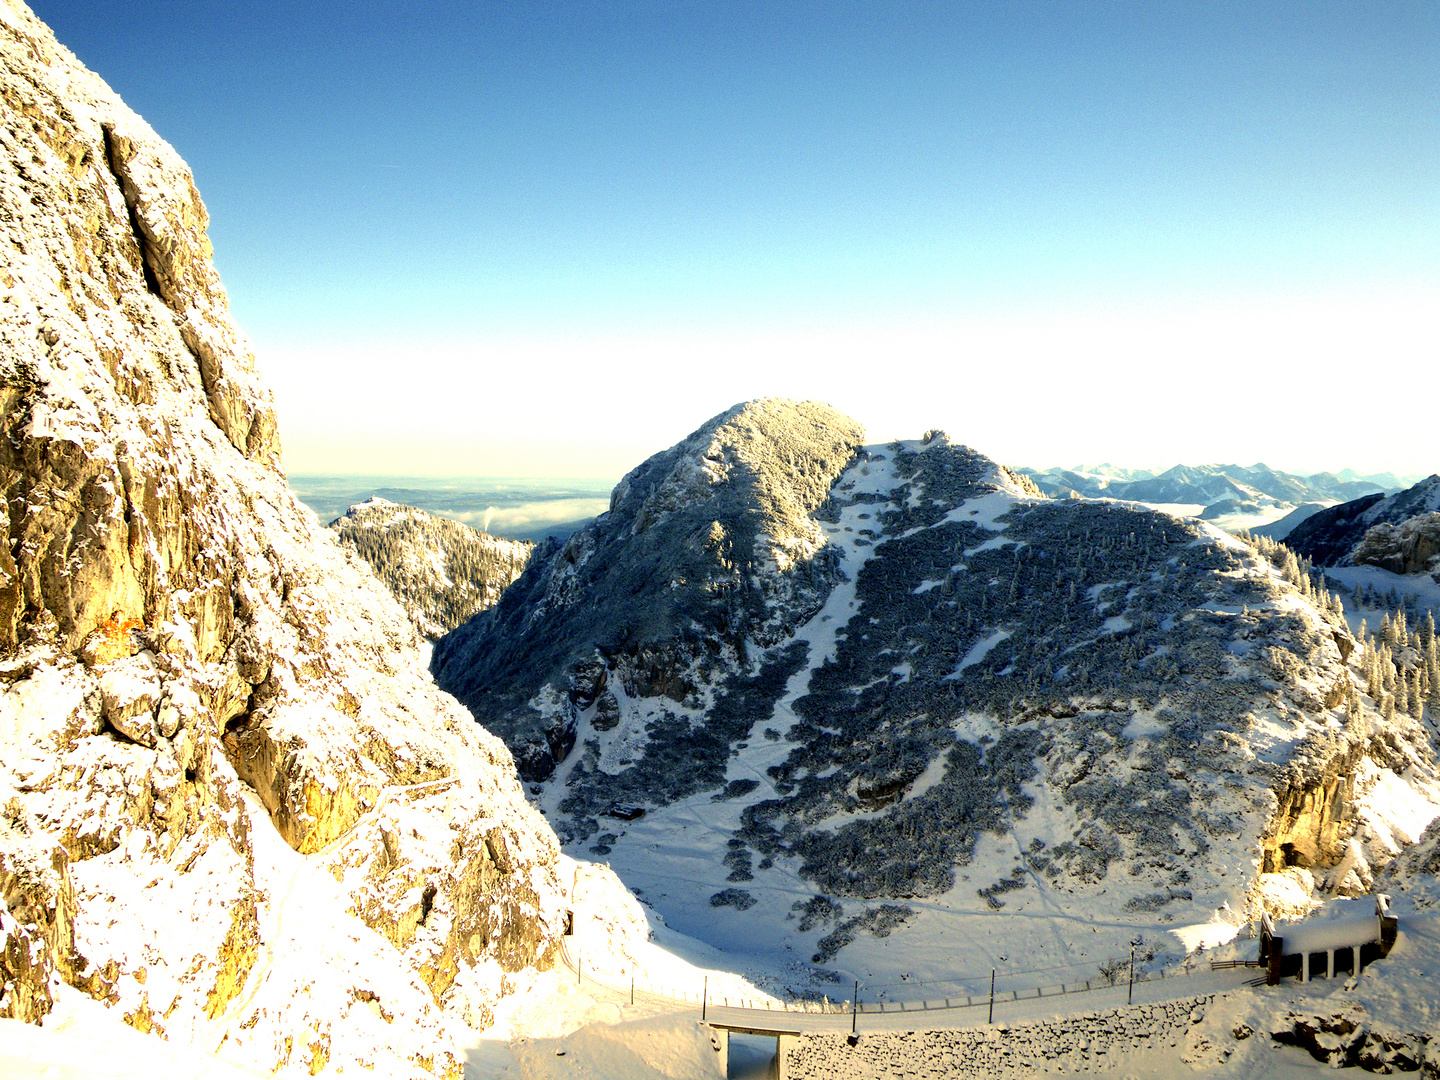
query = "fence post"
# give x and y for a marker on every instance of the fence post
(991, 1020)
(1130, 1000)
(632, 989)
(705, 997)
(854, 1006)
(578, 961)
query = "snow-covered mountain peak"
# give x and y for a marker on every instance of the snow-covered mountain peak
(991, 703)
(776, 456)
(709, 549)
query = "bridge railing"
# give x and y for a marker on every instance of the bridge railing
(1116, 974)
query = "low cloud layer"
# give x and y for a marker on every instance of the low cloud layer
(513, 509)
(529, 518)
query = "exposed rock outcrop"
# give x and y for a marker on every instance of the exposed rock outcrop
(1375, 530)
(441, 572)
(208, 709)
(1411, 547)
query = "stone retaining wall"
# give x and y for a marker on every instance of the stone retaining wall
(1078, 1043)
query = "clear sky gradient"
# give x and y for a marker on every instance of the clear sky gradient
(552, 238)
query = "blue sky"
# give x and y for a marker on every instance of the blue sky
(464, 238)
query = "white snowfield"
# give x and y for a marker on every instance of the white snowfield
(83, 1040)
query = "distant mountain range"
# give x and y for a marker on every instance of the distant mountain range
(1209, 484)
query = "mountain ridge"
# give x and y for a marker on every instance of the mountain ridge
(440, 571)
(1112, 481)
(974, 660)
(1398, 532)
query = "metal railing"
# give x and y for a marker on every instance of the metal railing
(1119, 977)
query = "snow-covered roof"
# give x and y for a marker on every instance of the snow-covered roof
(1339, 925)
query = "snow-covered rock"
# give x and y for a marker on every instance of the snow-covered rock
(233, 806)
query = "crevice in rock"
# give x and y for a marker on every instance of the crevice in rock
(127, 189)
(427, 902)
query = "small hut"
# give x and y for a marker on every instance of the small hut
(1343, 940)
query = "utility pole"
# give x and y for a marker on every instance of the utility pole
(991, 1020)
(705, 998)
(854, 1006)
(1130, 999)
(632, 988)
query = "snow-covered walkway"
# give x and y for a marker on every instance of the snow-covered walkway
(1009, 1006)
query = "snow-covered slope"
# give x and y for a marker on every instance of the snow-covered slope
(233, 806)
(1283, 527)
(441, 572)
(1001, 730)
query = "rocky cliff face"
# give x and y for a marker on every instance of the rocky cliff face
(1149, 714)
(440, 571)
(232, 804)
(1399, 533)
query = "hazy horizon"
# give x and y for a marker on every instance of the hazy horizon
(514, 508)
(558, 236)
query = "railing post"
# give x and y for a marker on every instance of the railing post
(632, 988)
(854, 1006)
(991, 1020)
(1130, 1000)
(705, 997)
